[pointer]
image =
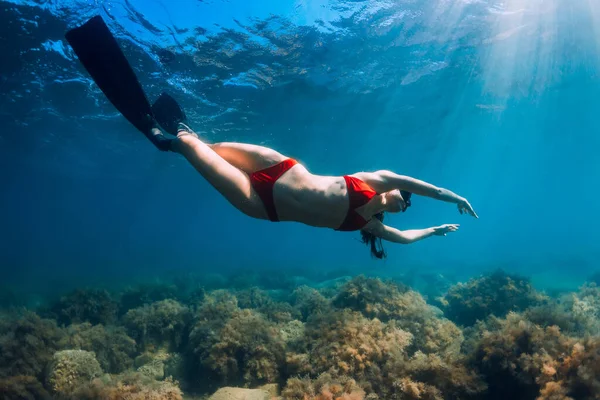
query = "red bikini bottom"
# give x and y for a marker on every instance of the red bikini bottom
(263, 181)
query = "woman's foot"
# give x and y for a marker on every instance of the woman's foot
(183, 129)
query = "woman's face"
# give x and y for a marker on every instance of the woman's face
(395, 202)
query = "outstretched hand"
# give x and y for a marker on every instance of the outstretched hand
(465, 207)
(442, 230)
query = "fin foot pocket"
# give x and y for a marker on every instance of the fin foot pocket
(169, 114)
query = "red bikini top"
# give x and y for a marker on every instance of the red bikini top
(359, 194)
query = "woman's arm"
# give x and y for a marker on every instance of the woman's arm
(416, 186)
(409, 236)
(384, 181)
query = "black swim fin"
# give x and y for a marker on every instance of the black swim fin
(100, 54)
(168, 113)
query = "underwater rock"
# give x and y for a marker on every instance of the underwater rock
(233, 393)
(71, 368)
(271, 388)
(128, 386)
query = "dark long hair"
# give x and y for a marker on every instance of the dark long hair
(373, 241)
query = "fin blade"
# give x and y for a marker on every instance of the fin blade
(100, 54)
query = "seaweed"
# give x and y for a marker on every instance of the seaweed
(495, 294)
(22, 387)
(164, 323)
(114, 349)
(27, 343)
(95, 306)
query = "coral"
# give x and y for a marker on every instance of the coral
(130, 386)
(71, 368)
(27, 343)
(246, 348)
(325, 387)
(85, 305)
(309, 301)
(113, 348)
(495, 294)
(160, 324)
(22, 387)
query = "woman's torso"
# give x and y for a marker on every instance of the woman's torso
(314, 200)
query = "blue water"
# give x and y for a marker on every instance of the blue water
(493, 100)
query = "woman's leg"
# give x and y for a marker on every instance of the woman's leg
(230, 181)
(248, 157)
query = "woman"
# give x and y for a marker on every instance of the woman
(265, 184)
(258, 181)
